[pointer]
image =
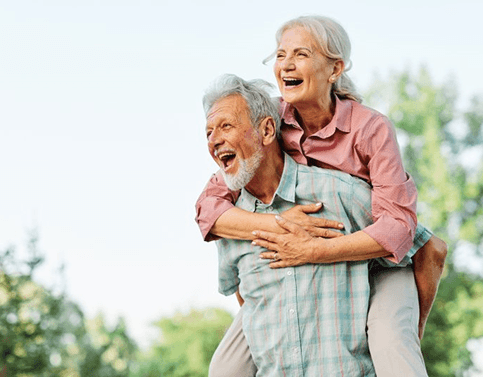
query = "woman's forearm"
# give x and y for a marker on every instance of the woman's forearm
(239, 224)
(352, 247)
(297, 247)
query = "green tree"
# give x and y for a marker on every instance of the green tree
(186, 344)
(44, 334)
(434, 138)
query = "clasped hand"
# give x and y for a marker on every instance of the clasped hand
(297, 245)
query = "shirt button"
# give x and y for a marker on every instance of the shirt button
(270, 208)
(295, 350)
(292, 311)
(289, 273)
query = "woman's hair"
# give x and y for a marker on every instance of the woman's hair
(257, 98)
(333, 42)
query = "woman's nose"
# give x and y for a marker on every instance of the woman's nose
(288, 64)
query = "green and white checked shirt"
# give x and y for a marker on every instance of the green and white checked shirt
(307, 320)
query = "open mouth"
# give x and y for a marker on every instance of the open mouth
(290, 82)
(227, 158)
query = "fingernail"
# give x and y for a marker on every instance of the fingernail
(254, 243)
(254, 232)
(318, 204)
(278, 217)
(341, 226)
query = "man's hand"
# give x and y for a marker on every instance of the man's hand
(315, 226)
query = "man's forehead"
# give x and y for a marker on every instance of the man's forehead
(228, 107)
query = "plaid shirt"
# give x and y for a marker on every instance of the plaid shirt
(309, 320)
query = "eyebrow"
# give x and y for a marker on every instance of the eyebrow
(297, 49)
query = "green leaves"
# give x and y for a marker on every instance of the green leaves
(185, 345)
(45, 334)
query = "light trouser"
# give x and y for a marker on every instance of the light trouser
(392, 331)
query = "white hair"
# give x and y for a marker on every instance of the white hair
(258, 100)
(333, 42)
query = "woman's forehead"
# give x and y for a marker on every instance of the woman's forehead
(297, 37)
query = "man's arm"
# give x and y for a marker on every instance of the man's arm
(240, 299)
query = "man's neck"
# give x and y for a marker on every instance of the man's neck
(267, 178)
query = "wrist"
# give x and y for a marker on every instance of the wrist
(319, 250)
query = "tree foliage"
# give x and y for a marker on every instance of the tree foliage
(442, 150)
(44, 334)
(186, 344)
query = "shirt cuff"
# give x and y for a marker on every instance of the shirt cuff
(217, 206)
(392, 236)
(422, 236)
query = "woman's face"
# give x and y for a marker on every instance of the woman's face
(301, 70)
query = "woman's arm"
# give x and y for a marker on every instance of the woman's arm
(218, 217)
(297, 247)
(394, 194)
(239, 224)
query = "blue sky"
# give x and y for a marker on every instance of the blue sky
(102, 142)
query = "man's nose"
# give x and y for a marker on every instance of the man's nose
(214, 140)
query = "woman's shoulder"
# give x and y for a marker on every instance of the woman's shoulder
(366, 118)
(360, 110)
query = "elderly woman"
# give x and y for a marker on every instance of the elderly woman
(324, 124)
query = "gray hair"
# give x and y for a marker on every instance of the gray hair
(333, 42)
(258, 100)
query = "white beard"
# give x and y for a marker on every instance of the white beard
(246, 172)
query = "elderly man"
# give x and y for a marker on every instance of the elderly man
(308, 320)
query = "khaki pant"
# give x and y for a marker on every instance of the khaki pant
(392, 331)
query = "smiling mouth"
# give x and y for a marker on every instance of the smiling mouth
(292, 82)
(226, 158)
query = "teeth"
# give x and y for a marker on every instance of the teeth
(224, 154)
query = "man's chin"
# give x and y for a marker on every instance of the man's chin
(245, 172)
(233, 181)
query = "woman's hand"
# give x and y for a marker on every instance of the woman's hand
(294, 248)
(314, 226)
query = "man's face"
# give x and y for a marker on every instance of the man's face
(233, 142)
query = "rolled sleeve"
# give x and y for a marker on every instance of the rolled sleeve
(394, 194)
(422, 236)
(215, 200)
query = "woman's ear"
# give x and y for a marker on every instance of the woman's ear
(338, 69)
(268, 131)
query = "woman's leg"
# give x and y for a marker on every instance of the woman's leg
(232, 357)
(392, 323)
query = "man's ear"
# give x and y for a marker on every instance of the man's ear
(267, 131)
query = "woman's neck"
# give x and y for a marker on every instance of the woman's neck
(313, 117)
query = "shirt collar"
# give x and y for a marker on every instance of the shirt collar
(341, 120)
(285, 190)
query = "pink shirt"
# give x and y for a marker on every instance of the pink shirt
(359, 141)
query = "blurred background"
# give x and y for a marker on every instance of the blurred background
(103, 155)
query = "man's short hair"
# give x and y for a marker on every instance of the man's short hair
(259, 102)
